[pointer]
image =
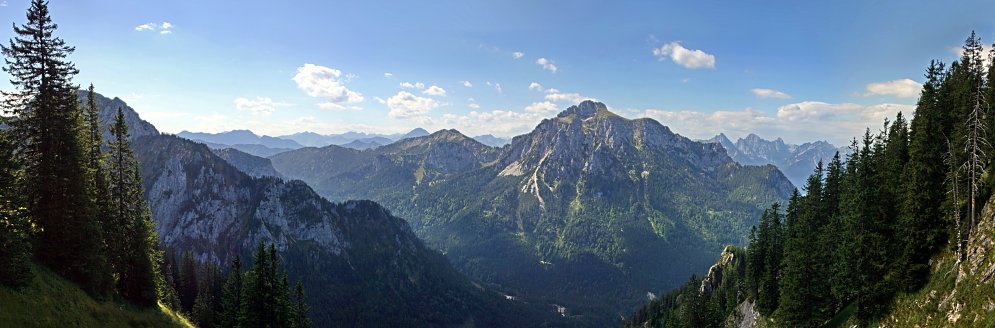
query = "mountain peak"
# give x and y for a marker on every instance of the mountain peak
(448, 134)
(587, 108)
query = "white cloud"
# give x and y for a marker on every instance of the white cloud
(770, 93)
(405, 105)
(567, 97)
(797, 123)
(388, 75)
(536, 87)
(260, 105)
(334, 106)
(517, 55)
(688, 58)
(542, 108)
(472, 105)
(321, 81)
(496, 122)
(435, 91)
(546, 64)
(163, 28)
(904, 88)
(467, 84)
(416, 85)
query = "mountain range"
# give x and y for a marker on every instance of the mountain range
(362, 265)
(797, 162)
(590, 211)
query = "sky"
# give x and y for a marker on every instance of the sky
(797, 70)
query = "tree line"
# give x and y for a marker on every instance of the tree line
(260, 296)
(868, 224)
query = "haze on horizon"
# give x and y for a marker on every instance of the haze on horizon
(799, 71)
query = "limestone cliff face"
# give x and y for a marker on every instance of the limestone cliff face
(252, 165)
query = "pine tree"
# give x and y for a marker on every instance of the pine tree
(300, 318)
(138, 244)
(48, 123)
(231, 296)
(768, 291)
(920, 227)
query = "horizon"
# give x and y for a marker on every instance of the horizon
(786, 70)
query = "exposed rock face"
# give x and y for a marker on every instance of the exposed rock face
(254, 166)
(108, 108)
(796, 161)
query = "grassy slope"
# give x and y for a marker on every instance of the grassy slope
(50, 301)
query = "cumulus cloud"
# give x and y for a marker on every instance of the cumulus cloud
(405, 105)
(321, 81)
(904, 88)
(770, 93)
(416, 85)
(388, 74)
(798, 122)
(517, 55)
(543, 108)
(496, 122)
(334, 106)
(162, 28)
(260, 105)
(435, 91)
(473, 105)
(546, 64)
(497, 86)
(689, 58)
(567, 97)
(536, 87)
(467, 84)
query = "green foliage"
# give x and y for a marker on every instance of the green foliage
(49, 126)
(49, 300)
(704, 302)
(868, 230)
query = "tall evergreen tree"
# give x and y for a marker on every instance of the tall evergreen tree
(231, 296)
(138, 244)
(300, 318)
(48, 124)
(921, 228)
(207, 307)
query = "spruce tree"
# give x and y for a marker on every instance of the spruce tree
(48, 124)
(231, 296)
(921, 229)
(300, 318)
(138, 244)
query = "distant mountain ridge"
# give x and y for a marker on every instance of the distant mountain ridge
(361, 265)
(589, 211)
(797, 162)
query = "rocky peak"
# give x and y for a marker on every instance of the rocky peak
(585, 109)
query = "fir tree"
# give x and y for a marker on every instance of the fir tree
(300, 318)
(231, 296)
(48, 123)
(138, 244)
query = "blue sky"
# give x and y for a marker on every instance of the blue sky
(800, 70)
